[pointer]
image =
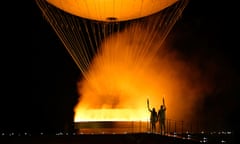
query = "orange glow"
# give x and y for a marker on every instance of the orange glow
(111, 114)
(130, 68)
(104, 10)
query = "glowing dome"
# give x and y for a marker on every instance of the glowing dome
(108, 10)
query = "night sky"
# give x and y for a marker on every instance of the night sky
(206, 34)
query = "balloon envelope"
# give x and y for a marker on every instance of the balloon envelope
(111, 10)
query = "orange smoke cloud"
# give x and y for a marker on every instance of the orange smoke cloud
(130, 67)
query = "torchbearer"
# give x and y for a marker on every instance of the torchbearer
(153, 117)
(162, 117)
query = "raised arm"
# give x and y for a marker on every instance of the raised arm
(148, 105)
(164, 106)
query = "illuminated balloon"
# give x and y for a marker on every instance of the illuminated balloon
(107, 10)
(113, 43)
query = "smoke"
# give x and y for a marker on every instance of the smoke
(133, 65)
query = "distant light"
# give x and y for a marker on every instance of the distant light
(204, 139)
(188, 136)
(60, 133)
(174, 134)
(223, 141)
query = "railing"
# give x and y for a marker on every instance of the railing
(172, 127)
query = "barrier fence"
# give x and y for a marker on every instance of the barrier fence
(171, 127)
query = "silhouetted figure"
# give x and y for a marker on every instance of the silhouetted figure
(162, 117)
(153, 117)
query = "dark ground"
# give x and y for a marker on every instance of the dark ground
(135, 138)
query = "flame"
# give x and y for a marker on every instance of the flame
(127, 71)
(111, 115)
